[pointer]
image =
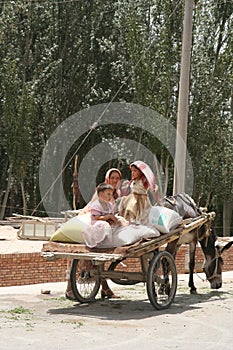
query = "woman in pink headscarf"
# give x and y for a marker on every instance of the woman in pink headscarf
(135, 207)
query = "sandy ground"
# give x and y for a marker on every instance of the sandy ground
(9, 242)
(31, 320)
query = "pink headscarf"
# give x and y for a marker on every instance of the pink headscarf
(148, 178)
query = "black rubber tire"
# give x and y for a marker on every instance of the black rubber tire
(162, 280)
(123, 282)
(84, 285)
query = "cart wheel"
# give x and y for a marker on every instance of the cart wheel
(161, 280)
(84, 283)
(120, 267)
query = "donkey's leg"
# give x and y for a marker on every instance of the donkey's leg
(172, 248)
(192, 250)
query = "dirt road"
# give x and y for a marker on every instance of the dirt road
(31, 320)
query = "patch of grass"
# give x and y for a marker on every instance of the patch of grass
(20, 310)
(75, 323)
(78, 324)
(20, 313)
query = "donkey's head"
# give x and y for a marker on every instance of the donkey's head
(213, 268)
(213, 260)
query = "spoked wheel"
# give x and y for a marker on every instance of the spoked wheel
(85, 283)
(161, 280)
(118, 265)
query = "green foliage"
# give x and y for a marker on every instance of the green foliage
(59, 57)
(210, 127)
(20, 310)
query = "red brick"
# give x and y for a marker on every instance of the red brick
(31, 268)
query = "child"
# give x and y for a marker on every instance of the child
(102, 209)
(102, 218)
(136, 206)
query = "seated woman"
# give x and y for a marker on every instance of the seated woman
(121, 187)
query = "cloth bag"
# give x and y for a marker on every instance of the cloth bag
(164, 219)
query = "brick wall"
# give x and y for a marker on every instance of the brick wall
(30, 268)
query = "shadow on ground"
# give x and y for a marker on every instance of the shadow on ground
(121, 309)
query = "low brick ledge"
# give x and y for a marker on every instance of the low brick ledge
(30, 268)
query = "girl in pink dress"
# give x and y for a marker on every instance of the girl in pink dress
(136, 206)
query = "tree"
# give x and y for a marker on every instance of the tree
(60, 57)
(210, 128)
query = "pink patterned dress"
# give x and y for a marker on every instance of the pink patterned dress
(136, 206)
(99, 232)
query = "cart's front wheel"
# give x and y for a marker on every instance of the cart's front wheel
(161, 280)
(85, 282)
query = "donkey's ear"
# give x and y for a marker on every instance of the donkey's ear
(227, 246)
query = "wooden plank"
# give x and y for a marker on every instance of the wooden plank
(95, 257)
(198, 222)
(23, 217)
(151, 245)
(130, 276)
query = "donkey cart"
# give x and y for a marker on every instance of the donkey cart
(157, 266)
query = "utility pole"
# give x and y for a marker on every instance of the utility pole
(183, 101)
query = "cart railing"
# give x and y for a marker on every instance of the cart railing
(96, 258)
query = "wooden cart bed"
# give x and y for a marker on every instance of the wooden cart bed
(55, 250)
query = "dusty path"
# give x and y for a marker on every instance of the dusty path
(31, 320)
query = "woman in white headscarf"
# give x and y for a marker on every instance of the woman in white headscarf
(121, 187)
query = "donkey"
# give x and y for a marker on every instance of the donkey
(187, 208)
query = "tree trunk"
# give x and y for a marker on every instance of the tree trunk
(227, 217)
(6, 195)
(23, 197)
